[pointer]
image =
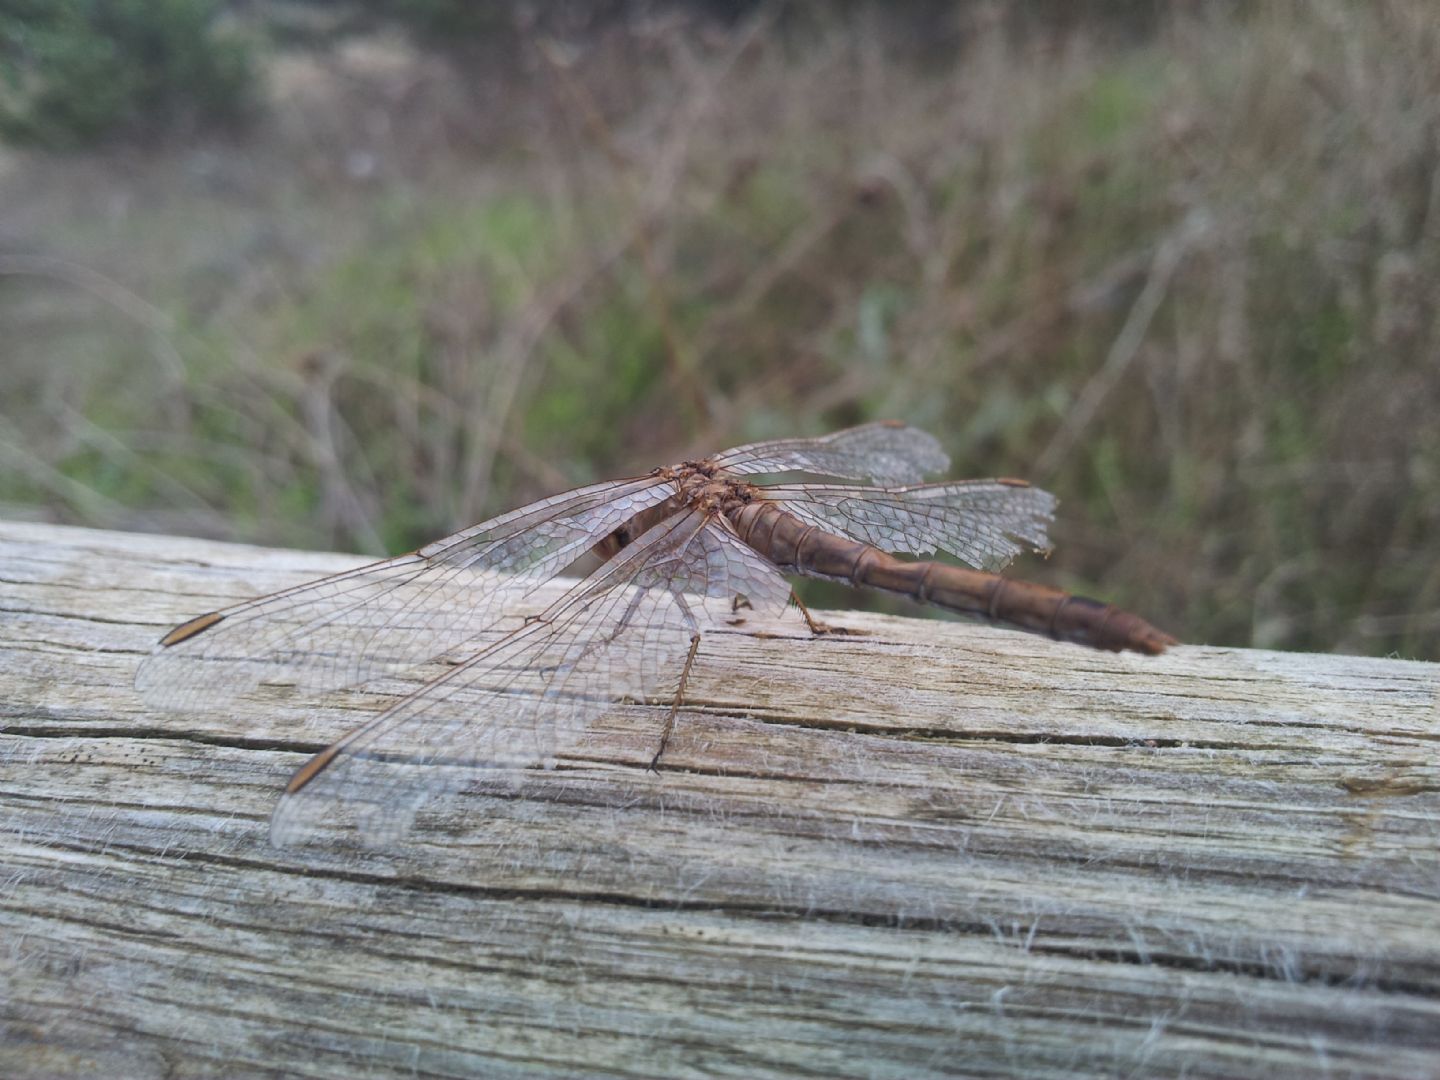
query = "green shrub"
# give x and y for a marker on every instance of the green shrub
(78, 72)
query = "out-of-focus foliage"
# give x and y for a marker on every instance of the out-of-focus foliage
(83, 72)
(1179, 271)
(78, 72)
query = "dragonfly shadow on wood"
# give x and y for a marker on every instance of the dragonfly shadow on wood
(682, 551)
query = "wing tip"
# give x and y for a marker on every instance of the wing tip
(187, 630)
(314, 767)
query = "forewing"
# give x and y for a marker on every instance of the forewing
(885, 452)
(986, 523)
(391, 615)
(621, 633)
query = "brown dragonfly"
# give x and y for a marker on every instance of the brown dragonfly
(683, 550)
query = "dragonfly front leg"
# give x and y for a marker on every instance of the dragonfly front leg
(676, 701)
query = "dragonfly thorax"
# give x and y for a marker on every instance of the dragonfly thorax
(699, 484)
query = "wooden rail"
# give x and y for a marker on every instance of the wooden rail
(932, 850)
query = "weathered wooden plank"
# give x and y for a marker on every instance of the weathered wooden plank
(935, 849)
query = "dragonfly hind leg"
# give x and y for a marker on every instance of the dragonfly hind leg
(816, 627)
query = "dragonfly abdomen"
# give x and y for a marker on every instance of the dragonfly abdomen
(807, 549)
(1024, 604)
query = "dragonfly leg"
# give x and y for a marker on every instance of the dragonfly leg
(816, 627)
(676, 701)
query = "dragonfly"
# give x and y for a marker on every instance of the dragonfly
(680, 552)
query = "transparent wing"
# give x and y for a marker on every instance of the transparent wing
(390, 615)
(621, 633)
(886, 452)
(984, 522)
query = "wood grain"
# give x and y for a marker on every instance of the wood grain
(929, 850)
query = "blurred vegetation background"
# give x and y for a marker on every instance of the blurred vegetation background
(352, 274)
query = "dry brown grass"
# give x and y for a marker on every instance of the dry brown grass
(1187, 282)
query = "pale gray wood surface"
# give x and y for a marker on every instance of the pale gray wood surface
(936, 849)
